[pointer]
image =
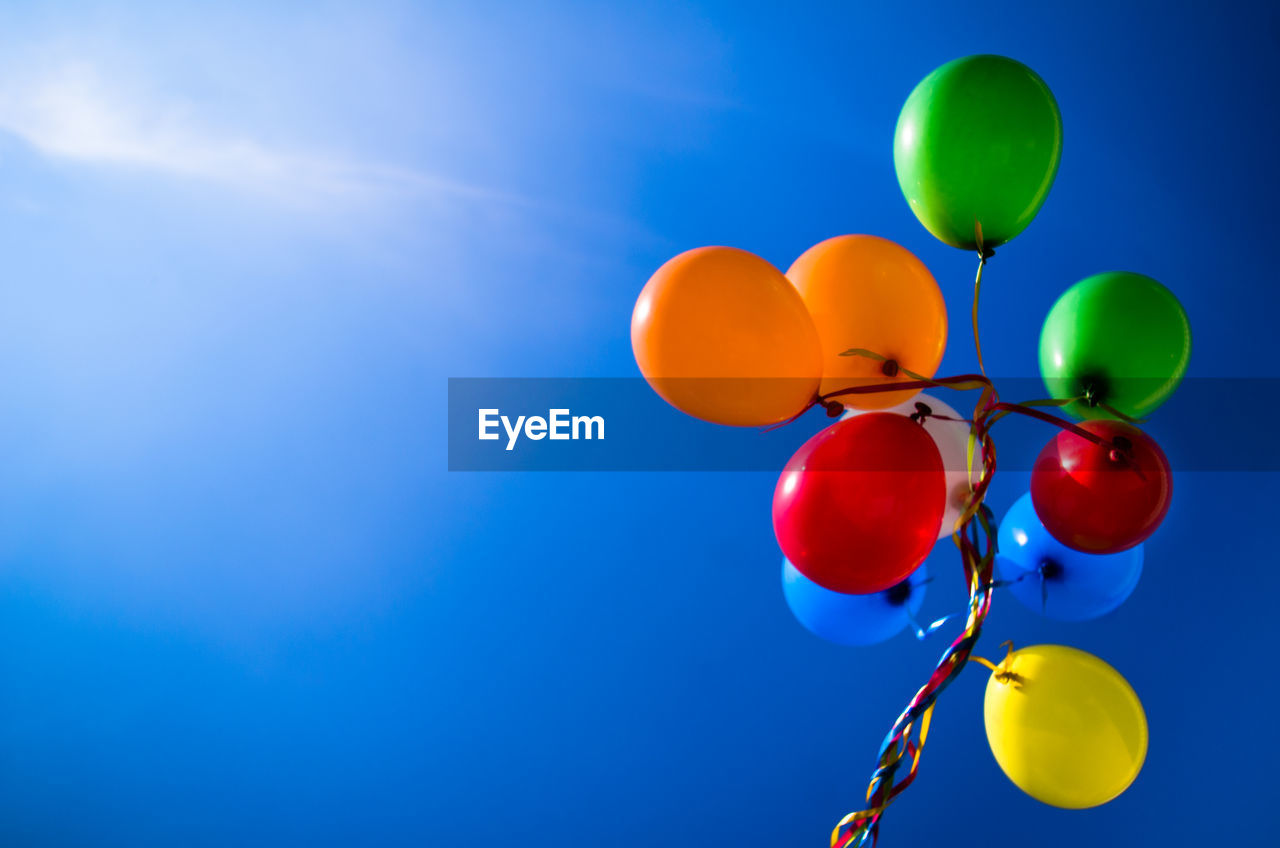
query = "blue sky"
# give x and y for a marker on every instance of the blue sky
(241, 251)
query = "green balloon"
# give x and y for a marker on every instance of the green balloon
(1118, 339)
(977, 148)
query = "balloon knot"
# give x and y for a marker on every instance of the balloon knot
(1093, 391)
(1121, 449)
(922, 412)
(890, 368)
(834, 408)
(1049, 569)
(1003, 673)
(898, 594)
(1006, 676)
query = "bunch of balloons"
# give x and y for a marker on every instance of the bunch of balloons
(857, 325)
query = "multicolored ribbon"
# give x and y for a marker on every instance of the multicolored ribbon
(974, 536)
(899, 757)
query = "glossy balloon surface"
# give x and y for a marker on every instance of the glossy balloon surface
(1093, 500)
(857, 507)
(853, 619)
(1119, 337)
(868, 292)
(976, 149)
(950, 434)
(1057, 581)
(723, 335)
(1069, 730)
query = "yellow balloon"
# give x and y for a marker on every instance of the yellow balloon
(1064, 726)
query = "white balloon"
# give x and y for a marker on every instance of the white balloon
(952, 439)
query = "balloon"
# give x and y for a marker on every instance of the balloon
(976, 150)
(722, 335)
(857, 507)
(1096, 499)
(1067, 729)
(1122, 339)
(853, 619)
(951, 437)
(1054, 580)
(867, 292)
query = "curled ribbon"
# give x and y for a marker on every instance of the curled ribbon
(974, 536)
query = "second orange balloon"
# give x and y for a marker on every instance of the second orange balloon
(868, 292)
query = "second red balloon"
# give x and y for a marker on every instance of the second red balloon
(1101, 497)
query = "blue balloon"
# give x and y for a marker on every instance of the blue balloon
(853, 619)
(1057, 581)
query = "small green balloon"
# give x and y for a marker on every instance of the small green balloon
(976, 150)
(1119, 340)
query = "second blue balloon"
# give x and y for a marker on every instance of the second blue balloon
(1057, 581)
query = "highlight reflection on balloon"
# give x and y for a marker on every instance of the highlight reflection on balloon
(722, 335)
(1098, 498)
(976, 150)
(950, 432)
(857, 507)
(1120, 339)
(868, 292)
(1065, 726)
(1057, 581)
(853, 619)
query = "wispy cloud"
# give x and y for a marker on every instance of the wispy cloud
(77, 113)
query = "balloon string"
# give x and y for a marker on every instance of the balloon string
(1111, 410)
(1002, 671)
(990, 409)
(922, 633)
(1030, 411)
(974, 536)
(1119, 448)
(984, 253)
(963, 382)
(861, 828)
(984, 662)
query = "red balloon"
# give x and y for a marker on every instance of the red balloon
(858, 506)
(1099, 499)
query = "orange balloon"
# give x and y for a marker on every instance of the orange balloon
(722, 335)
(867, 292)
